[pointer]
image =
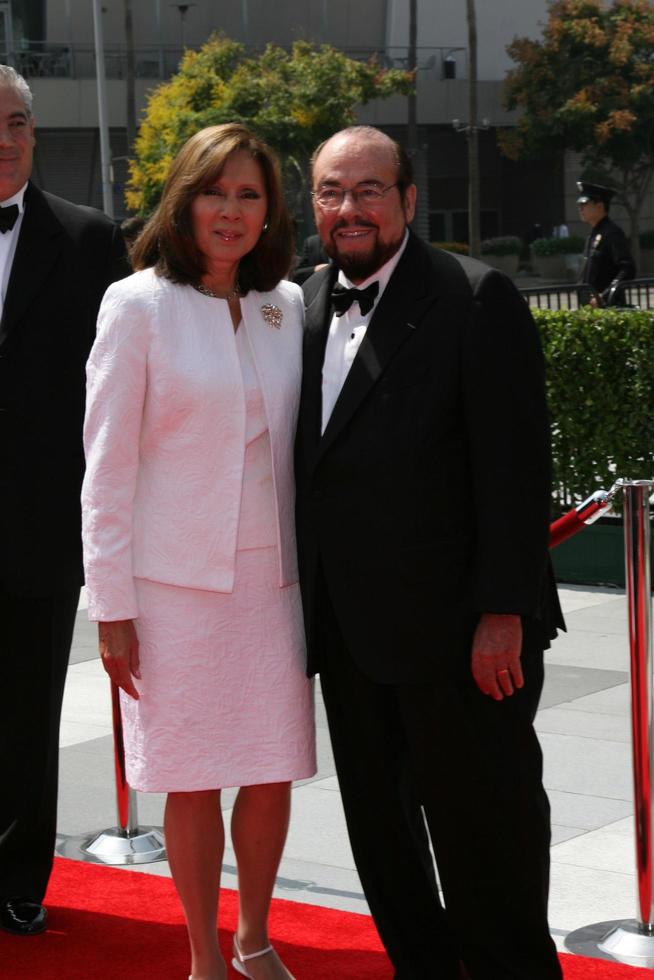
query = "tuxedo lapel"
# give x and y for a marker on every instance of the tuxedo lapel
(410, 293)
(39, 243)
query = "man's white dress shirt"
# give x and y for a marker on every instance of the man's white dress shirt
(346, 333)
(8, 242)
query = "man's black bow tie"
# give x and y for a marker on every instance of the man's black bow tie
(343, 298)
(8, 217)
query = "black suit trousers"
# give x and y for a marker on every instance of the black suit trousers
(473, 767)
(35, 639)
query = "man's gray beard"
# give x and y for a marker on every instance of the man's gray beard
(359, 267)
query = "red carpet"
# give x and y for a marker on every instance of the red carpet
(110, 924)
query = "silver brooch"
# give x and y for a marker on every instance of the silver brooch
(272, 315)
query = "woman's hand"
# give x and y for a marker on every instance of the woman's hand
(119, 650)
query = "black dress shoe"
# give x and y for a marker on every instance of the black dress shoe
(22, 916)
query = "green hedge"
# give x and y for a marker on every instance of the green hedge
(461, 248)
(571, 245)
(600, 381)
(502, 245)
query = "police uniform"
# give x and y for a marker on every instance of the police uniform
(607, 255)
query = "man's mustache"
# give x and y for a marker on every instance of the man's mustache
(359, 223)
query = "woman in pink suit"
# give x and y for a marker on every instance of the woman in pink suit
(193, 389)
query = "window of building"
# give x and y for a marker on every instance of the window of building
(452, 226)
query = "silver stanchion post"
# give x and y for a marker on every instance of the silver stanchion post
(127, 843)
(631, 941)
(576, 520)
(125, 797)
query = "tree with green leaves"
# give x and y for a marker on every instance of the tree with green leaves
(293, 99)
(588, 86)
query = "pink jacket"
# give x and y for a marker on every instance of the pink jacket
(165, 437)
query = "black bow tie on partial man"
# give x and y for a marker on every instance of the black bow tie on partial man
(8, 217)
(343, 298)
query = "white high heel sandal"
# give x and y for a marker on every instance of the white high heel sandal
(240, 959)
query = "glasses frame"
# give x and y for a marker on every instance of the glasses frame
(354, 193)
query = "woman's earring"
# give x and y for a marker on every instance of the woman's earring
(265, 226)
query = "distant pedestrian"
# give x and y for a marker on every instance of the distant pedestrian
(607, 256)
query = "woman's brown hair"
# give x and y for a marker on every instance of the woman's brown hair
(167, 242)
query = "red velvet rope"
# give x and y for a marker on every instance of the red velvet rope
(565, 527)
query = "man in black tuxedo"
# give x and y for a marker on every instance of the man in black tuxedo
(423, 484)
(56, 260)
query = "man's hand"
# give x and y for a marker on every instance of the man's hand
(119, 649)
(496, 648)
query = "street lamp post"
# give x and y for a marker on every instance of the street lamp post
(183, 10)
(103, 122)
(157, 16)
(412, 66)
(130, 102)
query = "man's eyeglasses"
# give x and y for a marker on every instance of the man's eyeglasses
(366, 195)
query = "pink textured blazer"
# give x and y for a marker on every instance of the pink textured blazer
(165, 437)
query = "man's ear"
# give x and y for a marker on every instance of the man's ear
(410, 203)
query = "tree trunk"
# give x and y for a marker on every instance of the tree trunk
(634, 236)
(634, 218)
(633, 188)
(473, 136)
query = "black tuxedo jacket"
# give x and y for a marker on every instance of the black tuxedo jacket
(426, 500)
(312, 254)
(65, 258)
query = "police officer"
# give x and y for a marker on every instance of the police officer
(607, 255)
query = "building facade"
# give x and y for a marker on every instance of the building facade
(51, 43)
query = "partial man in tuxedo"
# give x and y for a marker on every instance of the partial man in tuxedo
(311, 259)
(56, 260)
(423, 491)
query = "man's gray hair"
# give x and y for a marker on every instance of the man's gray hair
(10, 78)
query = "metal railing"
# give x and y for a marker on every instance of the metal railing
(636, 293)
(49, 59)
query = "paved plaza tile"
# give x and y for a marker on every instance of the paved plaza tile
(583, 726)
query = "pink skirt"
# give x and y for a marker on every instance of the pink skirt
(225, 700)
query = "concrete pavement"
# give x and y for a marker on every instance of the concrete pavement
(583, 726)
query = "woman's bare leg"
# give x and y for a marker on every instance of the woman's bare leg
(259, 826)
(195, 841)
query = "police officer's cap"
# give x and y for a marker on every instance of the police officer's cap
(593, 192)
